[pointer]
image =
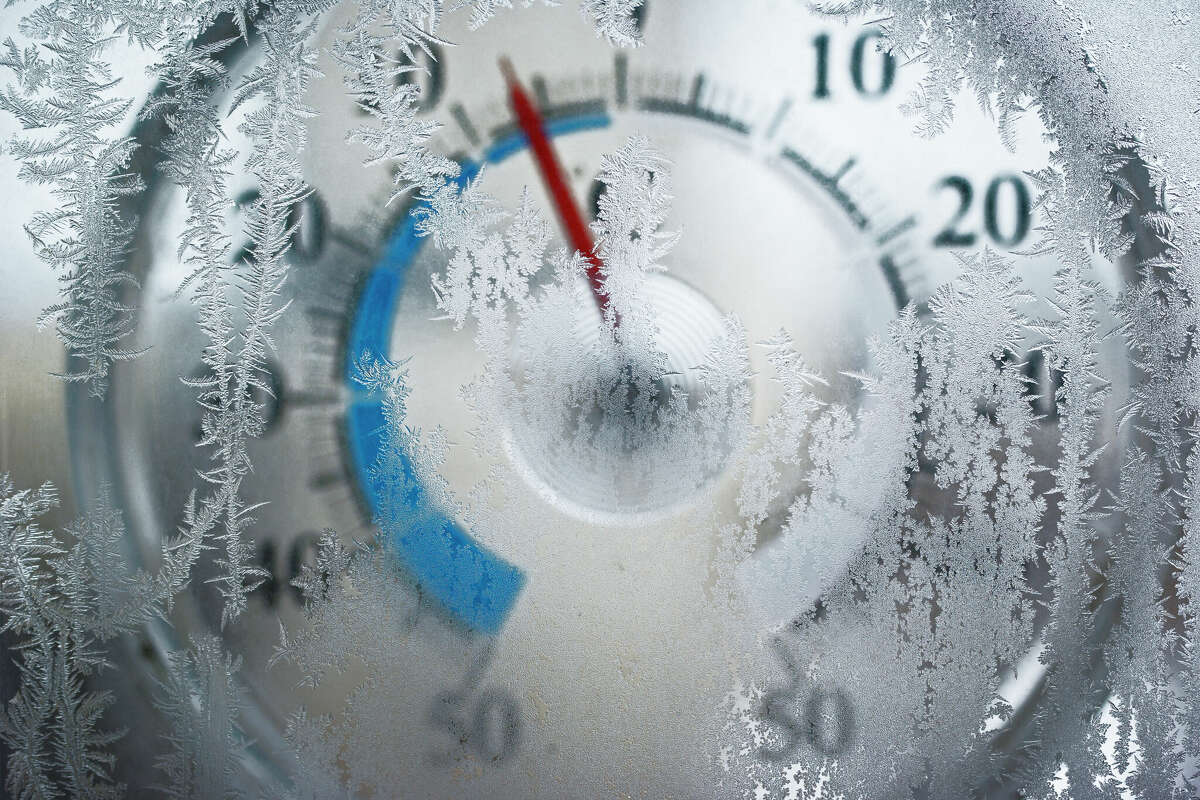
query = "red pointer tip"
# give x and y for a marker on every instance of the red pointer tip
(569, 216)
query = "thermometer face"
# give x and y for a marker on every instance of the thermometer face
(596, 662)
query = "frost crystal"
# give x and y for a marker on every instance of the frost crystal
(63, 599)
(199, 701)
(84, 240)
(615, 20)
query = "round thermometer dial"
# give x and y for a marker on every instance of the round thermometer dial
(574, 649)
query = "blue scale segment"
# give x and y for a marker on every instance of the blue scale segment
(474, 584)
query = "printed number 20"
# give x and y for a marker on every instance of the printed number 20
(952, 236)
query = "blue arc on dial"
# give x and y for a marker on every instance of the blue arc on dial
(478, 587)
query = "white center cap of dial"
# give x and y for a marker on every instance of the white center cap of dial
(593, 468)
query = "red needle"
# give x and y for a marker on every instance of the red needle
(569, 216)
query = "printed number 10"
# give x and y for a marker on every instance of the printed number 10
(858, 55)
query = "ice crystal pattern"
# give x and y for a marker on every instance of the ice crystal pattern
(939, 466)
(63, 597)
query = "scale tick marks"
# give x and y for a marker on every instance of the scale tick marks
(780, 115)
(901, 227)
(464, 123)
